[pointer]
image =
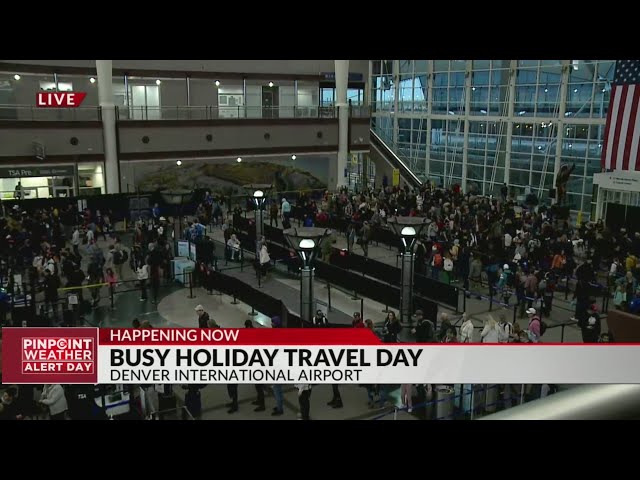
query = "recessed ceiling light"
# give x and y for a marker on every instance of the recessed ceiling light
(238, 159)
(179, 162)
(16, 76)
(293, 157)
(217, 82)
(270, 84)
(92, 80)
(158, 82)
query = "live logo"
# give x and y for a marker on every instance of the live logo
(59, 99)
(57, 367)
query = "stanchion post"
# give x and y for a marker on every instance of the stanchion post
(191, 295)
(329, 295)
(362, 308)
(490, 297)
(111, 296)
(253, 312)
(234, 302)
(562, 333)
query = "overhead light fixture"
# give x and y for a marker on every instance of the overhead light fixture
(599, 145)
(270, 84)
(571, 145)
(604, 90)
(16, 76)
(568, 114)
(158, 82)
(539, 147)
(92, 80)
(575, 90)
(546, 90)
(473, 88)
(217, 82)
(451, 113)
(575, 64)
(238, 159)
(522, 112)
(483, 112)
(293, 157)
(179, 162)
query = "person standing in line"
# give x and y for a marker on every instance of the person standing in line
(258, 402)
(304, 400)
(143, 275)
(53, 397)
(277, 389)
(320, 321)
(203, 317)
(466, 329)
(75, 241)
(273, 214)
(406, 396)
(286, 212)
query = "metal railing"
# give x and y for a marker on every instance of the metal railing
(587, 402)
(182, 112)
(233, 112)
(33, 113)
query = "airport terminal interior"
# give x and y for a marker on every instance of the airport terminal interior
(442, 201)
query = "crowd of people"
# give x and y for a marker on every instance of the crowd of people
(521, 253)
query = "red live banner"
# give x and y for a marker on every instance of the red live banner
(59, 99)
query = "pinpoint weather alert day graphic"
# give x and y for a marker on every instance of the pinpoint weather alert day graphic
(67, 354)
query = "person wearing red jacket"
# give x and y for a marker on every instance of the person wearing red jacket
(357, 321)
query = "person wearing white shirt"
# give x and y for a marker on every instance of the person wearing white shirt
(448, 268)
(265, 259)
(304, 395)
(89, 236)
(508, 239)
(490, 331)
(143, 275)
(466, 330)
(53, 397)
(75, 241)
(234, 247)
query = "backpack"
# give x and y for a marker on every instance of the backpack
(117, 257)
(438, 261)
(543, 325)
(125, 256)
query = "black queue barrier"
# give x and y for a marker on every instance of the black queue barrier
(346, 279)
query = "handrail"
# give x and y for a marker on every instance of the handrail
(34, 113)
(398, 160)
(178, 112)
(587, 402)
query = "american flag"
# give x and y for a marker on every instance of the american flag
(622, 131)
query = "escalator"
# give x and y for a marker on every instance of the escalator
(382, 150)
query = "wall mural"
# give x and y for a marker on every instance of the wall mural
(228, 176)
